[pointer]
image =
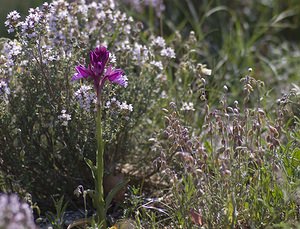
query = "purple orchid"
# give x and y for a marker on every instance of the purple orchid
(99, 58)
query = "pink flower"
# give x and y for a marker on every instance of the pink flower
(99, 58)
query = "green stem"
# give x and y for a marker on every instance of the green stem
(100, 204)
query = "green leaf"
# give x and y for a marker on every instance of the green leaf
(208, 146)
(296, 157)
(91, 166)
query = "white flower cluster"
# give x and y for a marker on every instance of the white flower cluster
(60, 32)
(204, 70)
(157, 64)
(187, 106)
(168, 52)
(158, 41)
(62, 27)
(85, 97)
(12, 21)
(115, 104)
(64, 118)
(156, 54)
(4, 90)
(139, 53)
(31, 21)
(51, 54)
(11, 50)
(15, 214)
(126, 107)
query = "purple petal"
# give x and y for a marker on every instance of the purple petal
(116, 76)
(76, 76)
(93, 57)
(99, 54)
(103, 54)
(98, 68)
(82, 72)
(85, 72)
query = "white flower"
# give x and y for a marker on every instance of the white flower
(112, 58)
(187, 106)
(101, 15)
(112, 103)
(159, 41)
(161, 77)
(137, 51)
(157, 64)
(125, 106)
(127, 29)
(164, 95)
(204, 70)
(168, 52)
(12, 21)
(11, 50)
(4, 91)
(13, 15)
(115, 104)
(64, 118)
(85, 97)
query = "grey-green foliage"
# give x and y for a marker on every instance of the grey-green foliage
(242, 170)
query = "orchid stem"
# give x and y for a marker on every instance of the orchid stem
(100, 204)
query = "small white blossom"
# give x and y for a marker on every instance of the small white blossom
(187, 106)
(115, 104)
(12, 21)
(204, 70)
(14, 15)
(126, 80)
(64, 118)
(31, 21)
(140, 53)
(127, 29)
(113, 58)
(85, 97)
(168, 52)
(157, 64)
(161, 77)
(124, 45)
(4, 91)
(101, 15)
(125, 106)
(11, 50)
(159, 41)
(163, 95)
(112, 103)
(15, 213)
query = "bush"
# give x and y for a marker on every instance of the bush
(47, 121)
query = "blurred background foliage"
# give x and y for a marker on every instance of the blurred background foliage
(234, 35)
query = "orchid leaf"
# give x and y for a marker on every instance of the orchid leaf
(91, 166)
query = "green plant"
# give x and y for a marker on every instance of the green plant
(57, 219)
(48, 122)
